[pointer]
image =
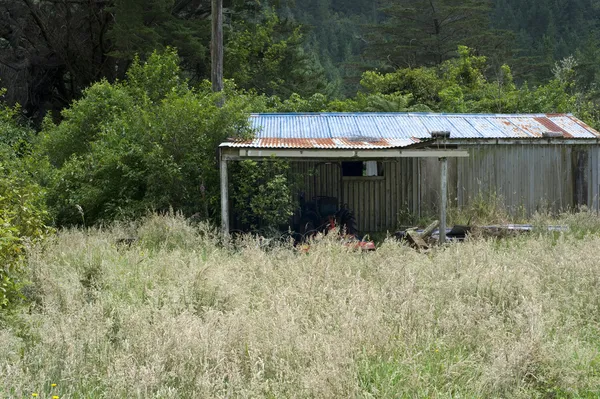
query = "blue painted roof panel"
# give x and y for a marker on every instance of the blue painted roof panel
(393, 130)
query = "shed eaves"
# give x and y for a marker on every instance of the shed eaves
(398, 130)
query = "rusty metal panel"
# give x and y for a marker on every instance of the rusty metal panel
(398, 130)
(505, 128)
(324, 143)
(553, 127)
(574, 127)
(530, 126)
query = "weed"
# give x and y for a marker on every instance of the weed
(180, 315)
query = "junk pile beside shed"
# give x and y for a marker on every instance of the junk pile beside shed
(383, 165)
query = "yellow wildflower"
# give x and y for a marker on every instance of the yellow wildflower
(52, 385)
(55, 397)
(34, 395)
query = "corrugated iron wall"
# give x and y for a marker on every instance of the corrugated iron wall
(527, 178)
(594, 196)
(375, 201)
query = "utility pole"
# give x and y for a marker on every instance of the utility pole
(216, 54)
(216, 46)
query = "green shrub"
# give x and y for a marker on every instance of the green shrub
(262, 196)
(22, 217)
(146, 144)
(22, 208)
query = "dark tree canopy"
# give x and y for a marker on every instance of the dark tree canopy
(50, 50)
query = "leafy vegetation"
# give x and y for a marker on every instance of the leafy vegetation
(149, 143)
(263, 194)
(22, 208)
(283, 47)
(52, 51)
(457, 85)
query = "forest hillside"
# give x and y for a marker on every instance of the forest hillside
(51, 50)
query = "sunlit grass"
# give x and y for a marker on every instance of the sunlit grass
(177, 314)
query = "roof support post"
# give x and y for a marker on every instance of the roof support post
(443, 198)
(224, 196)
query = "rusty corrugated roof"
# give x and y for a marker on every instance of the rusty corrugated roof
(337, 143)
(398, 130)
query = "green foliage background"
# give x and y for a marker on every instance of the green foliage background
(22, 209)
(150, 142)
(145, 144)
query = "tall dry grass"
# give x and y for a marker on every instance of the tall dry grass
(177, 315)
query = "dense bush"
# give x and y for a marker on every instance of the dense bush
(149, 143)
(461, 85)
(262, 194)
(22, 209)
(458, 85)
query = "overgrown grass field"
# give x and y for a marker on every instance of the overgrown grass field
(178, 315)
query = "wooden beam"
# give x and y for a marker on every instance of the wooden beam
(343, 154)
(434, 154)
(443, 198)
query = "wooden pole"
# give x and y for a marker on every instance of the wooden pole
(216, 47)
(443, 198)
(224, 197)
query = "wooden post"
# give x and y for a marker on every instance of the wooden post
(224, 197)
(443, 198)
(216, 47)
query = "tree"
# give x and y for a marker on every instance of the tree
(142, 26)
(546, 31)
(51, 49)
(461, 85)
(266, 54)
(427, 32)
(262, 196)
(149, 143)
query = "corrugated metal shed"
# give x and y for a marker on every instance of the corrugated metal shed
(397, 130)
